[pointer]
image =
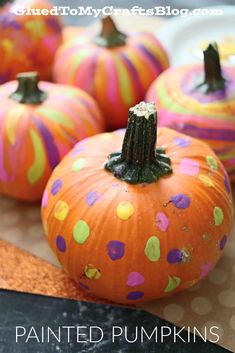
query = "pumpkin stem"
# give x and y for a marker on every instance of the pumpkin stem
(27, 91)
(214, 79)
(140, 161)
(110, 36)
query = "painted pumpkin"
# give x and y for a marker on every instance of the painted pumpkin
(27, 42)
(114, 68)
(200, 102)
(38, 126)
(144, 222)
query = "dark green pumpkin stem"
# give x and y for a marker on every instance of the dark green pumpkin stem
(110, 36)
(27, 91)
(140, 161)
(214, 79)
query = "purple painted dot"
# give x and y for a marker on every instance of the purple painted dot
(45, 199)
(56, 186)
(227, 183)
(83, 286)
(174, 256)
(92, 197)
(60, 243)
(181, 142)
(180, 201)
(135, 295)
(115, 249)
(223, 242)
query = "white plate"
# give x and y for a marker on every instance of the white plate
(185, 37)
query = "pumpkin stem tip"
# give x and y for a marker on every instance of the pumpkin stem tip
(140, 161)
(28, 91)
(213, 79)
(110, 36)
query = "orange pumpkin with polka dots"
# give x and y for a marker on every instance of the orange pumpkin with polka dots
(130, 220)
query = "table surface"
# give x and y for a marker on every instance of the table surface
(210, 302)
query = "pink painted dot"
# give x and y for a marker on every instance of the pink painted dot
(189, 166)
(135, 279)
(205, 269)
(45, 199)
(162, 221)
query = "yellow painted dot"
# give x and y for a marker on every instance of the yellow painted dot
(78, 164)
(125, 210)
(206, 180)
(61, 210)
(91, 272)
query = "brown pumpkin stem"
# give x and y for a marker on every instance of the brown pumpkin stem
(140, 161)
(214, 79)
(27, 91)
(110, 36)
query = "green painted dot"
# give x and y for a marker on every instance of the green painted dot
(173, 283)
(152, 249)
(218, 215)
(78, 164)
(212, 162)
(81, 231)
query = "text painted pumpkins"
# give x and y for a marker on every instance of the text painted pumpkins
(38, 126)
(27, 42)
(115, 68)
(201, 103)
(139, 224)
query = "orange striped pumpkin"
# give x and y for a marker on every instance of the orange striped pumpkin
(115, 68)
(38, 126)
(27, 42)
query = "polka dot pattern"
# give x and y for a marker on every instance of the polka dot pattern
(81, 231)
(56, 186)
(78, 164)
(176, 308)
(60, 243)
(61, 210)
(152, 249)
(144, 241)
(125, 210)
(189, 167)
(115, 249)
(218, 216)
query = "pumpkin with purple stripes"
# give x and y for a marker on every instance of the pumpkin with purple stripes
(39, 124)
(200, 101)
(115, 68)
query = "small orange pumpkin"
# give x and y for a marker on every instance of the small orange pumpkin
(115, 68)
(38, 126)
(139, 224)
(27, 42)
